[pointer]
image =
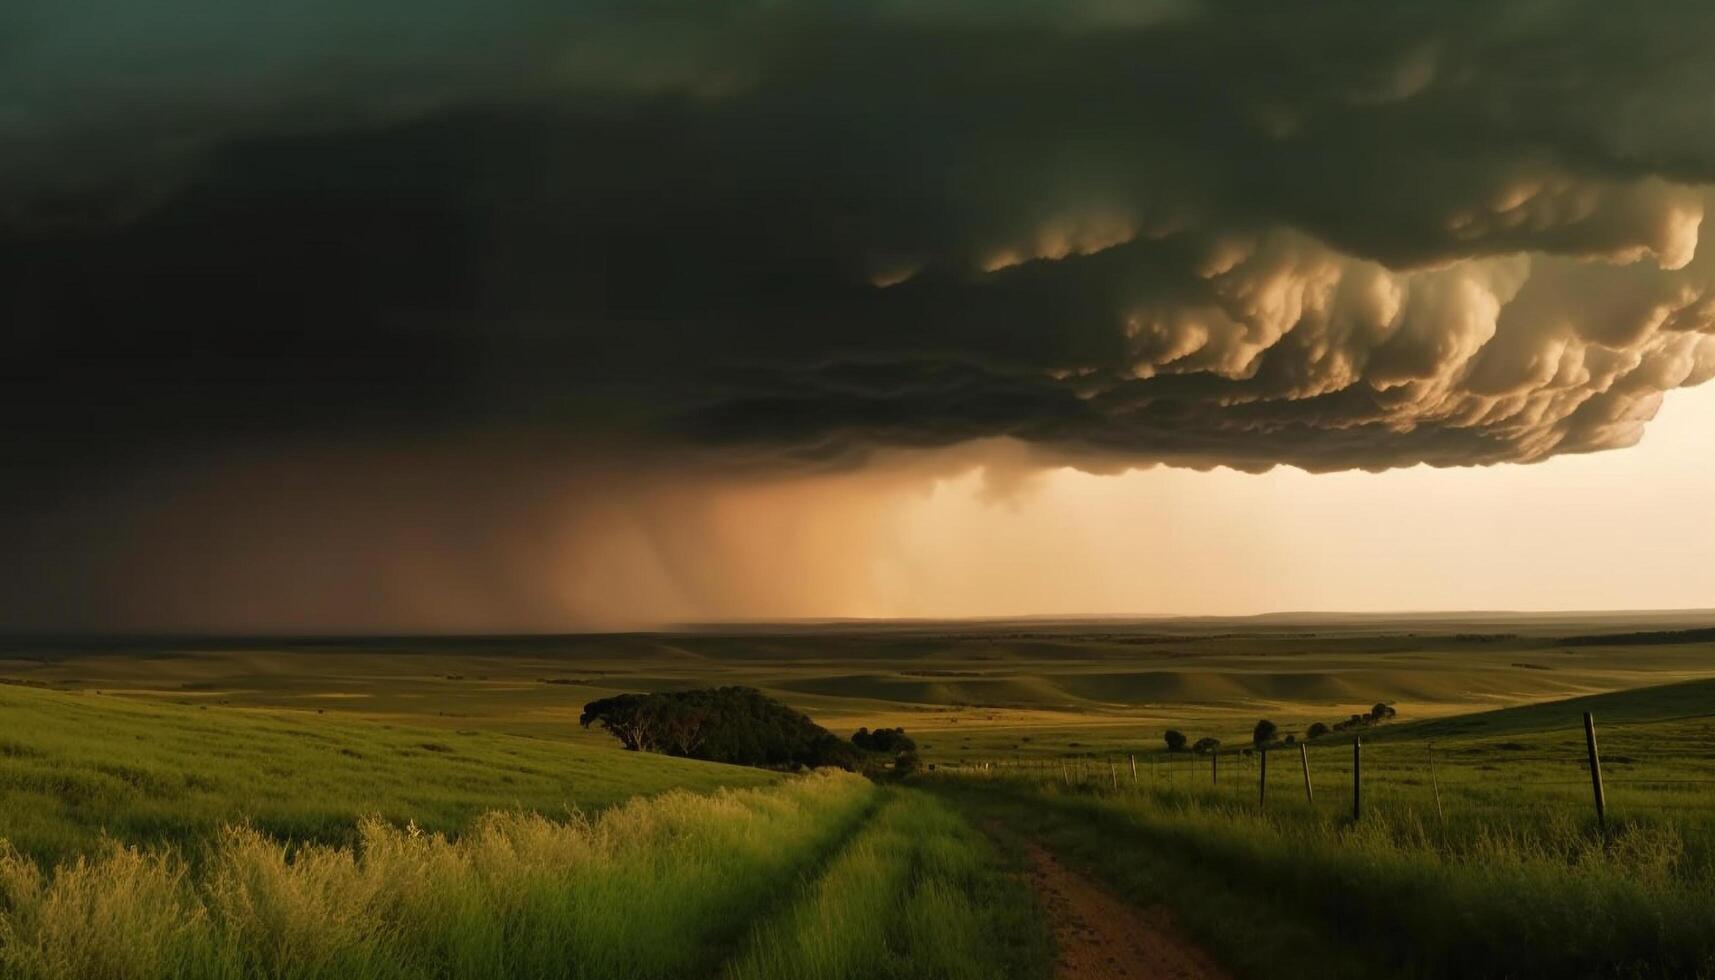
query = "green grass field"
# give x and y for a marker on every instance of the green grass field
(422, 808)
(76, 766)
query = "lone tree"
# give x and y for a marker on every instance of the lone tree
(1206, 745)
(1175, 740)
(1381, 712)
(1264, 732)
(1316, 731)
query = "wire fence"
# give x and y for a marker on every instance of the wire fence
(1676, 777)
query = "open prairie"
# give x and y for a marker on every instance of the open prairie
(202, 807)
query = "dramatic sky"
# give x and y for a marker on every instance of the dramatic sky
(549, 314)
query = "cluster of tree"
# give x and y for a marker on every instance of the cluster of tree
(1377, 715)
(738, 725)
(887, 747)
(1267, 734)
(884, 740)
(1177, 740)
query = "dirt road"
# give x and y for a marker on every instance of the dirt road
(1102, 938)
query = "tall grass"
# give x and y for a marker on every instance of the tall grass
(918, 894)
(652, 888)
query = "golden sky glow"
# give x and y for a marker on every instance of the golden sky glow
(1620, 529)
(1625, 529)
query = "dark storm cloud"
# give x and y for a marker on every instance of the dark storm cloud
(1331, 235)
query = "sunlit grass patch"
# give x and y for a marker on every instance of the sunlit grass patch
(651, 888)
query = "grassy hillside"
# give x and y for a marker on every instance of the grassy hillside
(1486, 771)
(1659, 705)
(76, 765)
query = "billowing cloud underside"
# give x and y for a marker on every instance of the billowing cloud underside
(1327, 234)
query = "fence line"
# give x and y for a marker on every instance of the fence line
(1438, 767)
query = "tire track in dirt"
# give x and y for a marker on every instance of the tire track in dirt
(1100, 937)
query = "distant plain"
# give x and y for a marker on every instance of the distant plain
(970, 690)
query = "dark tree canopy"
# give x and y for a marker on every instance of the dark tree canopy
(1316, 730)
(738, 725)
(1175, 740)
(1206, 745)
(890, 740)
(1264, 732)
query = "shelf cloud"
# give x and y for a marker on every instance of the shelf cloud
(796, 237)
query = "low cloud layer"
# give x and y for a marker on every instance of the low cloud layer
(1327, 235)
(790, 235)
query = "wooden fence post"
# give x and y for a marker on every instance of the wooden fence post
(1304, 759)
(1114, 773)
(1595, 771)
(1215, 769)
(1262, 781)
(1357, 777)
(1133, 758)
(1435, 782)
